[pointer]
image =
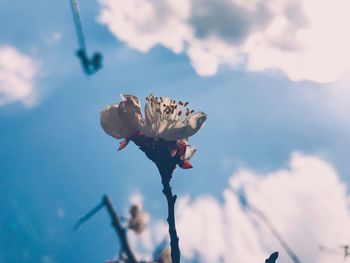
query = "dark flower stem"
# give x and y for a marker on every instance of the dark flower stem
(166, 174)
(119, 229)
(160, 153)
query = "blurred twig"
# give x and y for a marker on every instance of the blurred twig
(329, 250)
(345, 249)
(88, 216)
(243, 200)
(119, 229)
(161, 247)
(121, 232)
(272, 259)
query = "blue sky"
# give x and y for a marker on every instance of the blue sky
(56, 161)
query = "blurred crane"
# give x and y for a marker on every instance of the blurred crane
(90, 66)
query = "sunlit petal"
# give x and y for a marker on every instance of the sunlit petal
(112, 123)
(186, 129)
(170, 120)
(130, 113)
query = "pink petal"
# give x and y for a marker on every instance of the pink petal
(123, 144)
(186, 165)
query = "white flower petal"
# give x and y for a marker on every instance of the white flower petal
(189, 128)
(149, 114)
(152, 119)
(168, 124)
(112, 123)
(123, 120)
(130, 113)
(133, 98)
(190, 150)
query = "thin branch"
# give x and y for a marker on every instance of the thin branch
(121, 232)
(329, 250)
(272, 259)
(160, 249)
(88, 216)
(277, 235)
(119, 229)
(267, 222)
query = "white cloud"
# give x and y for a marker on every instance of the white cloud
(18, 74)
(308, 40)
(306, 202)
(53, 38)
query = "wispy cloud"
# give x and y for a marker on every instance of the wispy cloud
(306, 201)
(53, 38)
(18, 73)
(307, 40)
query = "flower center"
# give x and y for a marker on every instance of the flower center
(168, 109)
